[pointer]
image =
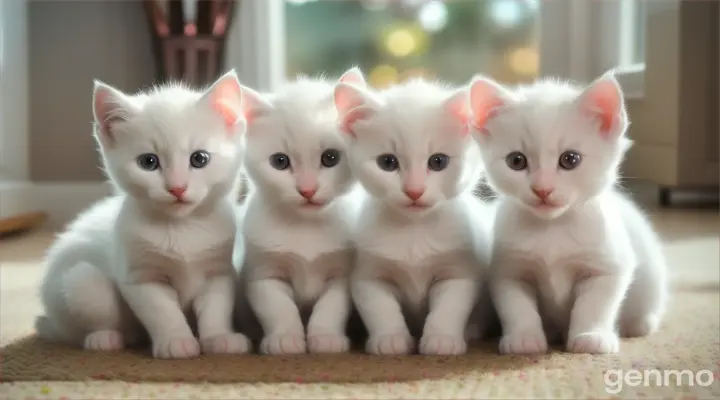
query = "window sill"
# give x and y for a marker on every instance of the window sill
(632, 80)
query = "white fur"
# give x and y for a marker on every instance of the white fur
(296, 256)
(424, 266)
(138, 259)
(573, 270)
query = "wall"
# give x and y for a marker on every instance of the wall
(655, 117)
(674, 125)
(72, 43)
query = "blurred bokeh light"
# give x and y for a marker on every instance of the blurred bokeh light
(393, 40)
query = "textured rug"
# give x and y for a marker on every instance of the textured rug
(689, 341)
(681, 361)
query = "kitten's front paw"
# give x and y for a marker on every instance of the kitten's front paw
(177, 347)
(442, 345)
(104, 341)
(288, 343)
(525, 342)
(228, 343)
(392, 344)
(594, 343)
(328, 343)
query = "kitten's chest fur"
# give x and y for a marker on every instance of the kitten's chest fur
(554, 256)
(183, 253)
(305, 254)
(415, 242)
(411, 257)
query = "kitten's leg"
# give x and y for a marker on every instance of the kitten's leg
(380, 310)
(451, 302)
(646, 300)
(326, 328)
(156, 306)
(272, 301)
(517, 307)
(214, 309)
(84, 306)
(595, 312)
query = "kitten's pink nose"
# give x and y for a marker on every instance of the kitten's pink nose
(307, 193)
(178, 192)
(542, 193)
(414, 194)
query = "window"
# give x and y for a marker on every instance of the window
(393, 40)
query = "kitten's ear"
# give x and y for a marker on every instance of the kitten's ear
(603, 101)
(353, 104)
(110, 106)
(487, 97)
(254, 104)
(354, 76)
(225, 97)
(458, 107)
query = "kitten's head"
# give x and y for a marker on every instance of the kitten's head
(409, 146)
(172, 149)
(550, 145)
(295, 154)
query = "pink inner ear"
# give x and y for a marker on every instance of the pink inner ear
(226, 100)
(355, 115)
(346, 99)
(101, 97)
(603, 100)
(353, 76)
(460, 110)
(485, 101)
(105, 112)
(485, 113)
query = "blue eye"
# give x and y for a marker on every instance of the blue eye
(148, 161)
(438, 162)
(516, 161)
(330, 158)
(569, 160)
(280, 161)
(388, 162)
(199, 159)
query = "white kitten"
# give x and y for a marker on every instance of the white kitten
(163, 247)
(297, 250)
(421, 235)
(572, 254)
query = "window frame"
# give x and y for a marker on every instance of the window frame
(259, 32)
(580, 40)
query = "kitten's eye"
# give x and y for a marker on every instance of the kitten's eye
(148, 161)
(516, 161)
(199, 159)
(388, 162)
(280, 161)
(569, 160)
(438, 162)
(330, 158)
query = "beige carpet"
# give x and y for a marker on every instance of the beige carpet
(688, 341)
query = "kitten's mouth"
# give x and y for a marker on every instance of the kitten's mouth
(417, 206)
(312, 204)
(544, 206)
